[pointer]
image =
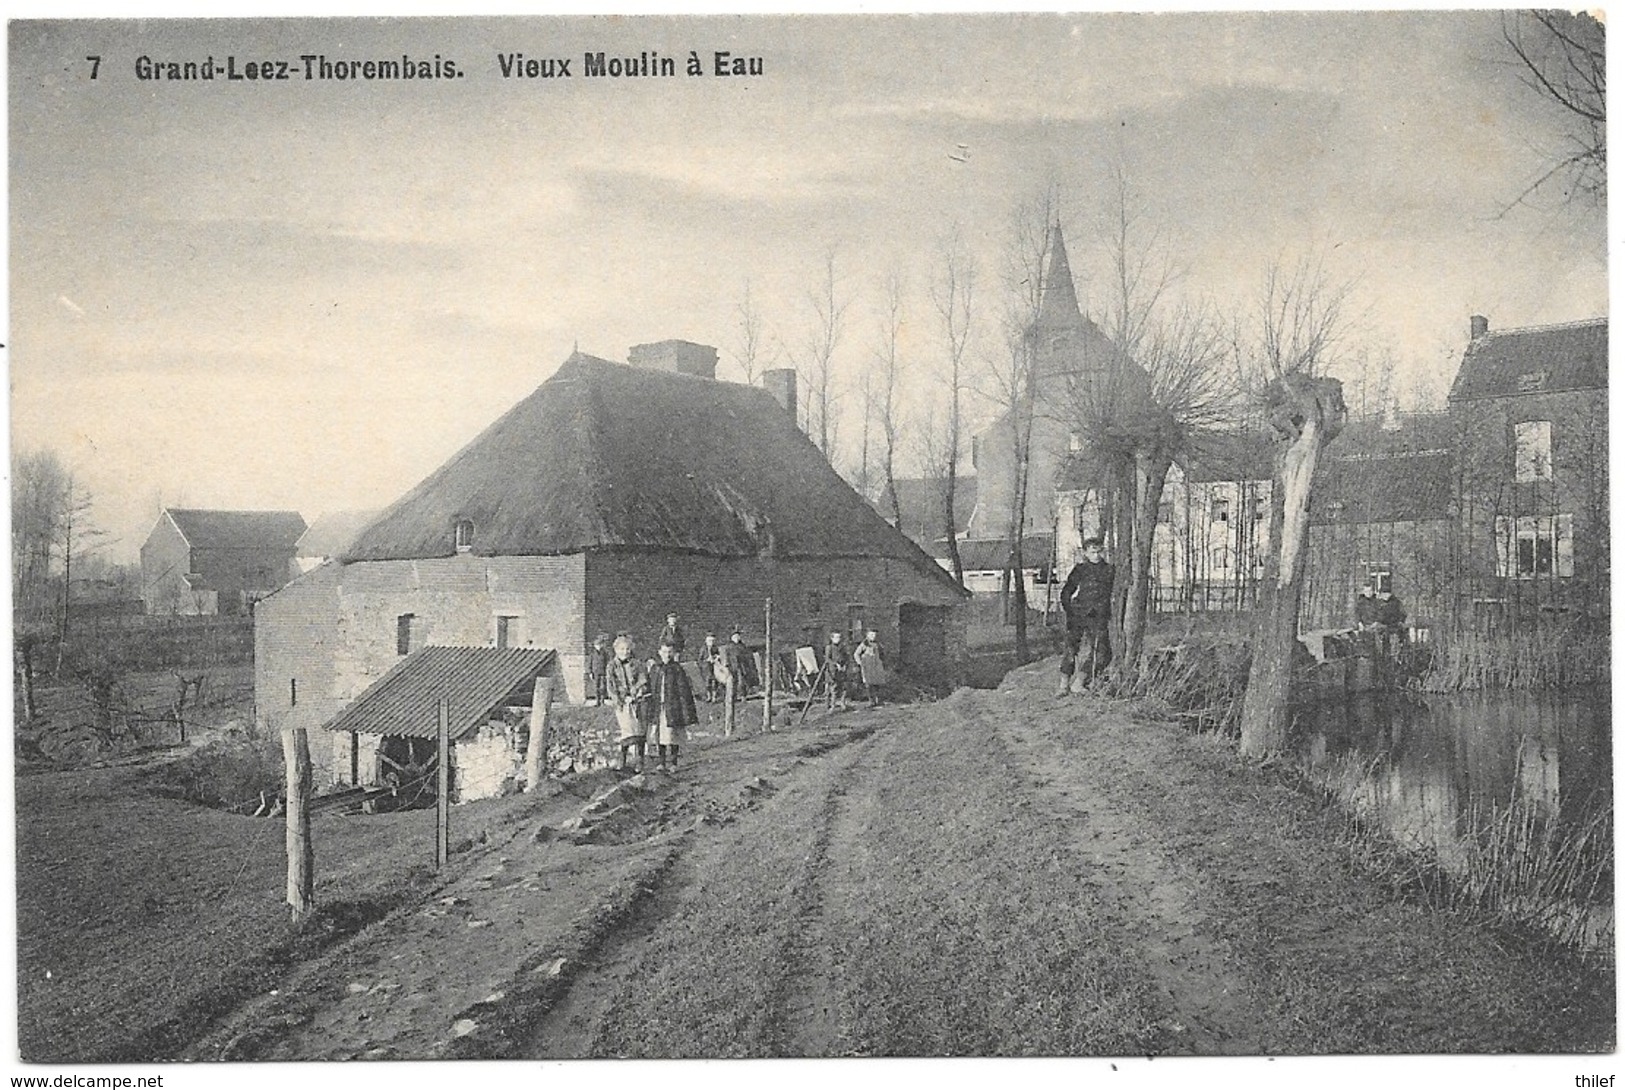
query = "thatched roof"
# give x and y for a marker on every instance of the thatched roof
(607, 456)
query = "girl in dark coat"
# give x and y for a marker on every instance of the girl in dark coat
(674, 710)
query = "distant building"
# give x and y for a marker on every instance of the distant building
(329, 538)
(922, 503)
(1530, 408)
(610, 496)
(216, 562)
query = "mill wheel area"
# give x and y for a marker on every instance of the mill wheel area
(408, 767)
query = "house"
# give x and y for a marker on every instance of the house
(610, 496)
(216, 562)
(329, 538)
(1530, 408)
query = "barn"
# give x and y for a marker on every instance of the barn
(612, 495)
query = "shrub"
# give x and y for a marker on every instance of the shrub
(230, 773)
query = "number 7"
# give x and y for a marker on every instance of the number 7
(95, 65)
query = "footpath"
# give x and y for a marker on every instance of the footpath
(1003, 872)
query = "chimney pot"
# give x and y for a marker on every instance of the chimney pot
(683, 357)
(781, 383)
(1478, 325)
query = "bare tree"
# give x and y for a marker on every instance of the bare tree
(953, 295)
(751, 343)
(829, 314)
(1014, 377)
(885, 390)
(1561, 57)
(50, 531)
(1299, 324)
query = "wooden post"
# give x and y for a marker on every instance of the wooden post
(442, 805)
(767, 673)
(541, 702)
(729, 692)
(301, 857)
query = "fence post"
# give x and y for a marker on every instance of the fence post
(301, 857)
(442, 805)
(728, 694)
(541, 702)
(767, 673)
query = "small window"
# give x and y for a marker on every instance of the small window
(507, 632)
(1261, 509)
(1534, 546)
(463, 533)
(1074, 441)
(293, 692)
(1379, 578)
(854, 623)
(1220, 559)
(1165, 512)
(403, 633)
(1531, 381)
(815, 602)
(1221, 510)
(1532, 450)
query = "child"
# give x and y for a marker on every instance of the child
(629, 682)
(674, 710)
(871, 667)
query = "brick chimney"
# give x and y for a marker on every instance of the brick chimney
(1477, 326)
(683, 357)
(781, 383)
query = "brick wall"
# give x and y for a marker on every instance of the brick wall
(632, 592)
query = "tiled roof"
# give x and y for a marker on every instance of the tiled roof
(405, 702)
(1384, 488)
(1536, 359)
(238, 529)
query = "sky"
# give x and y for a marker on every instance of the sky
(309, 294)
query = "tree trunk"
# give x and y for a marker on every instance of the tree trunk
(1119, 514)
(949, 524)
(1307, 414)
(541, 703)
(1151, 465)
(1019, 564)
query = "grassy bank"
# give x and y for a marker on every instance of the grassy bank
(1544, 656)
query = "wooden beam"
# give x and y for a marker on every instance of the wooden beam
(301, 856)
(541, 702)
(442, 804)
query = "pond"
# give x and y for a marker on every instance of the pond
(1482, 782)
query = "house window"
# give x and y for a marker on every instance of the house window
(1221, 510)
(1074, 441)
(1531, 381)
(1165, 512)
(463, 535)
(1532, 450)
(854, 622)
(1379, 577)
(1220, 559)
(1533, 546)
(403, 633)
(815, 602)
(1261, 509)
(293, 692)
(508, 632)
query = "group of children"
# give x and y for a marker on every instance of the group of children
(654, 700)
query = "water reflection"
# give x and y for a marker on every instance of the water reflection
(1432, 769)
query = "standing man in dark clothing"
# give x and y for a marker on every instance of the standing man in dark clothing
(710, 658)
(1086, 599)
(672, 636)
(1391, 622)
(837, 667)
(598, 670)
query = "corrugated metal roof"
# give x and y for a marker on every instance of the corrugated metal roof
(405, 702)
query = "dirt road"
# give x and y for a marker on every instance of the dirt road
(1001, 873)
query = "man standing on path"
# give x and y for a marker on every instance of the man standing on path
(672, 636)
(1086, 599)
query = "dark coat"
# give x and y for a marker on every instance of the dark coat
(1391, 612)
(1086, 597)
(673, 634)
(598, 661)
(1367, 611)
(628, 682)
(838, 658)
(674, 695)
(737, 658)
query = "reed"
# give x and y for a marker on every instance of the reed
(1514, 864)
(1544, 656)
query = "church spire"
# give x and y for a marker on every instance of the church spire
(1059, 305)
